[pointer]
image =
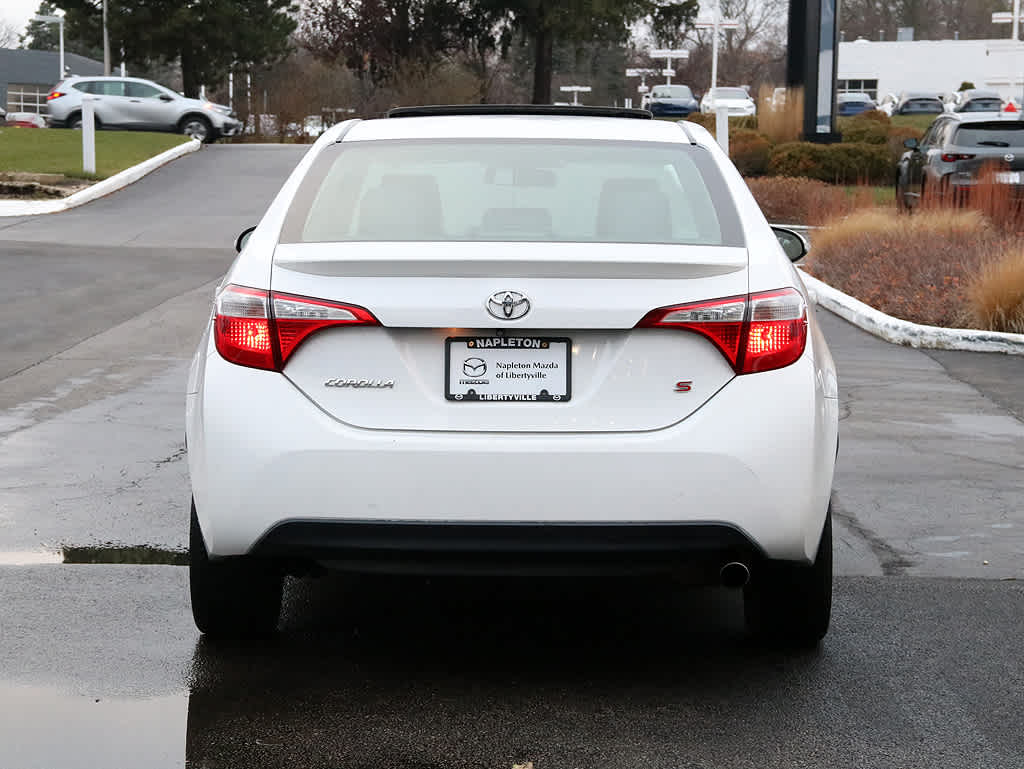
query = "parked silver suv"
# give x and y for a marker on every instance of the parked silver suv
(140, 105)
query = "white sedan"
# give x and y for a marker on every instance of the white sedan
(513, 339)
(737, 100)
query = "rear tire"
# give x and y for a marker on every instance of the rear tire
(790, 604)
(236, 597)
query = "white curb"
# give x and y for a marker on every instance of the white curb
(903, 331)
(98, 190)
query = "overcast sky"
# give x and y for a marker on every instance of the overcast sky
(17, 12)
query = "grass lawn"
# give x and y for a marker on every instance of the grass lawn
(59, 150)
(920, 122)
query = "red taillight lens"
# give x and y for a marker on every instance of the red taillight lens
(950, 157)
(758, 332)
(262, 329)
(54, 95)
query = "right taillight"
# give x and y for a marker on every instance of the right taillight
(261, 329)
(757, 332)
(952, 157)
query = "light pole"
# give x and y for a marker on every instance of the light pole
(716, 24)
(59, 21)
(575, 90)
(106, 42)
(668, 54)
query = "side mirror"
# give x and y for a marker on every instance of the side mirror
(243, 238)
(793, 243)
(165, 97)
(911, 144)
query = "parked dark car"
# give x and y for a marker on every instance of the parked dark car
(916, 103)
(850, 104)
(671, 101)
(977, 100)
(947, 162)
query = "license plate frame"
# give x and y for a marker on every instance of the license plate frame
(507, 347)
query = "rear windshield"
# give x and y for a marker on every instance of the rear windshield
(509, 190)
(990, 135)
(672, 92)
(983, 105)
(932, 106)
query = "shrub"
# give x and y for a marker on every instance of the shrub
(789, 200)
(863, 129)
(915, 267)
(781, 122)
(996, 295)
(750, 151)
(846, 163)
(897, 135)
(745, 122)
(876, 115)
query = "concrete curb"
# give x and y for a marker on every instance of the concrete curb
(903, 331)
(99, 189)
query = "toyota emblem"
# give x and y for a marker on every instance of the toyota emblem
(508, 305)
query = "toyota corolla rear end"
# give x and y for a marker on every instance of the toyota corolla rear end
(513, 344)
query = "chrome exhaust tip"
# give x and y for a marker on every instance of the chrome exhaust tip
(734, 574)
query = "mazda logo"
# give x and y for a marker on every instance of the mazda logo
(474, 367)
(1008, 157)
(508, 305)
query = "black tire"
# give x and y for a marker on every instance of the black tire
(75, 121)
(790, 604)
(198, 127)
(235, 597)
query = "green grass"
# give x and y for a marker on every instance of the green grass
(882, 195)
(920, 122)
(59, 150)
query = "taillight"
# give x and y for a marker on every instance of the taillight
(756, 332)
(262, 329)
(952, 157)
(54, 95)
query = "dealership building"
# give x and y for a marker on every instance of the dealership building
(882, 67)
(27, 76)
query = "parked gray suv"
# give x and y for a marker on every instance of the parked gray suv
(141, 105)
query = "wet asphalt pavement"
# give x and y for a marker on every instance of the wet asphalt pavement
(100, 665)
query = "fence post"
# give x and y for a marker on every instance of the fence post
(88, 136)
(722, 127)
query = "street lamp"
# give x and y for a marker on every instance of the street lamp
(59, 21)
(576, 90)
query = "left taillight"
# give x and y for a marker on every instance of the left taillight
(261, 329)
(756, 332)
(54, 95)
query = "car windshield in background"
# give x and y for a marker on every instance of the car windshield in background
(924, 106)
(990, 135)
(731, 93)
(983, 105)
(514, 190)
(671, 92)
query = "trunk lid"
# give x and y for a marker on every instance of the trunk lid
(619, 378)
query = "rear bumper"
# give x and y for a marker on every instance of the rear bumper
(273, 473)
(696, 551)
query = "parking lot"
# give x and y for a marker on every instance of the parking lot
(102, 307)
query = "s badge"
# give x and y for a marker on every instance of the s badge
(684, 387)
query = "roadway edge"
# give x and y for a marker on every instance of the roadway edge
(903, 332)
(105, 187)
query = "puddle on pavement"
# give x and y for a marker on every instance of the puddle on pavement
(137, 554)
(44, 727)
(144, 555)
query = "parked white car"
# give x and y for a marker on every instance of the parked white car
(513, 339)
(737, 100)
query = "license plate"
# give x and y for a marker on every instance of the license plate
(508, 368)
(1008, 177)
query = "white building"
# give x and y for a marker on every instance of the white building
(882, 67)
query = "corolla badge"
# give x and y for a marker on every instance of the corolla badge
(508, 305)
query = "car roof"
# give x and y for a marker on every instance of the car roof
(854, 96)
(985, 117)
(107, 77)
(981, 93)
(511, 126)
(919, 95)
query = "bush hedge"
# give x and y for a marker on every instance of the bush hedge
(845, 163)
(749, 151)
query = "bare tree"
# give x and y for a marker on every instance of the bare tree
(8, 34)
